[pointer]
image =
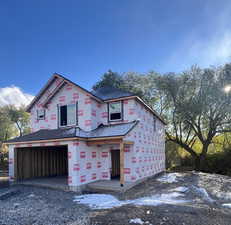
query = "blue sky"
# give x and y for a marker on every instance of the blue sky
(83, 39)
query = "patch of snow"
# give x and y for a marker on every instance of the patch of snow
(168, 178)
(221, 194)
(202, 193)
(99, 201)
(227, 205)
(182, 189)
(106, 201)
(136, 220)
(31, 195)
(170, 198)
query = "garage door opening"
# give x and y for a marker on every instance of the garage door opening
(37, 162)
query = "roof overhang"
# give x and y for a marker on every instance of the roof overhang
(142, 102)
(90, 141)
(151, 110)
(64, 81)
(41, 92)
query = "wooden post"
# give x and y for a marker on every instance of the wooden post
(121, 164)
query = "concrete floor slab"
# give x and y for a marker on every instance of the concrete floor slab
(59, 182)
(109, 185)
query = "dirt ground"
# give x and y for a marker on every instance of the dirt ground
(205, 200)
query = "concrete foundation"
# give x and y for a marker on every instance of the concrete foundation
(59, 182)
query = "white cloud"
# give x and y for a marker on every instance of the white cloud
(14, 96)
(215, 49)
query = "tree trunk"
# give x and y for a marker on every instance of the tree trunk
(197, 163)
(200, 162)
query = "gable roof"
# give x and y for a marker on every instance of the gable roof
(101, 95)
(108, 92)
(47, 85)
(75, 132)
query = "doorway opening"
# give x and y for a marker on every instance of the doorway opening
(115, 164)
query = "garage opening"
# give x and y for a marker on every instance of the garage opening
(47, 161)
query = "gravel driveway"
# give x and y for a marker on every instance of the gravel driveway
(205, 200)
(39, 206)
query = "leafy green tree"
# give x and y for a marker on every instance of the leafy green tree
(20, 118)
(142, 85)
(7, 128)
(7, 131)
(194, 104)
(111, 79)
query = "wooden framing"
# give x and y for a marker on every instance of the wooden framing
(104, 141)
(122, 164)
(104, 138)
(115, 163)
(40, 162)
(109, 142)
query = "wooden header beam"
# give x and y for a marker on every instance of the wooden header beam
(109, 142)
(106, 142)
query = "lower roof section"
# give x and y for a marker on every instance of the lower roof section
(102, 131)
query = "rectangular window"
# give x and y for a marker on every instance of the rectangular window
(67, 115)
(115, 111)
(41, 114)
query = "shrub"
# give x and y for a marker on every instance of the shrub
(218, 162)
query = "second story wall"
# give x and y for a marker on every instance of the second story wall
(86, 113)
(90, 113)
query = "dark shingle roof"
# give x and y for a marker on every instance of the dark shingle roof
(108, 92)
(107, 130)
(62, 133)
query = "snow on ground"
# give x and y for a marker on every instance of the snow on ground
(227, 205)
(221, 194)
(154, 200)
(202, 193)
(136, 220)
(169, 178)
(182, 189)
(175, 196)
(99, 201)
(106, 201)
(139, 221)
